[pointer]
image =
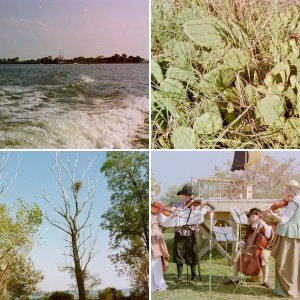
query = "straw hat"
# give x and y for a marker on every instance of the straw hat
(155, 189)
(293, 184)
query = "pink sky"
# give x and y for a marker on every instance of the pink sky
(38, 28)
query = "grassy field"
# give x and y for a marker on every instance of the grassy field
(200, 290)
(225, 74)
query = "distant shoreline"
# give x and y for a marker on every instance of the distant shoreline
(49, 60)
(21, 63)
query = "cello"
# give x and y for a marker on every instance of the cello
(249, 261)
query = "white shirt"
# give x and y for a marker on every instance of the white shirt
(287, 212)
(268, 230)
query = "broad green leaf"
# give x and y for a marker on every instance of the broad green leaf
(276, 89)
(217, 80)
(180, 49)
(231, 94)
(184, 138)
(205, 32)
(271, 110)
(237, 59)
(291, 96)
(173, 87)
(292, 131)
(281, 72)
(251, 94)
(297, 105)
(270, 79)
(209, 122)
(161, 102)
(156, 71)
(181, 75)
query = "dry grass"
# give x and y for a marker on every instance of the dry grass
(241, 128)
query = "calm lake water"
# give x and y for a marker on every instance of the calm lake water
(74, 106)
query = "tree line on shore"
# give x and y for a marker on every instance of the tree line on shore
(116, 58)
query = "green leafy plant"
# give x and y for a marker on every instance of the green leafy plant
(225, 74)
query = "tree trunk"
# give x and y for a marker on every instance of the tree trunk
(78, 271)
(145, 222)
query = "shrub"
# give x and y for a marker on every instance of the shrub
(59, 295)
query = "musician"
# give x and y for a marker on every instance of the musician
(255, 220)
(286, 249)
(184, 248)
(159, 251)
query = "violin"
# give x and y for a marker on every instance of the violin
(157, 207)
(249, 260)
(196, 203)
(193, 202)
(280, 203)
(274, 207)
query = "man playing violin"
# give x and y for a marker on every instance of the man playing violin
(184, 248)
(255, 219)
(286, 249)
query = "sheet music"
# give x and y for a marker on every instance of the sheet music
(224, 234)
(195, 217)
(238, 215)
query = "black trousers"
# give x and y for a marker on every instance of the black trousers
(184, 250)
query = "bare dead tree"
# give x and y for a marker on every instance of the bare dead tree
(4, 184)
(74, 219)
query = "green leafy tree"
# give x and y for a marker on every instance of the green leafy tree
(127, 219)
(23, 278)
(17, 234)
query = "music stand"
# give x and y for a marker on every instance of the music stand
(210, 247)
(224, 234)
(190, 217)
(240, 219)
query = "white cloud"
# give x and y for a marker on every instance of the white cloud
(86, 10)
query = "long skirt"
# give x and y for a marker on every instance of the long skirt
(286, 252)
(158, 246)
(158, 283)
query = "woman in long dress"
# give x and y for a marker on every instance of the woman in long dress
(286, 248)
(159, 251)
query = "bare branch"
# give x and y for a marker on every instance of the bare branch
(56, 224)
(79, 244)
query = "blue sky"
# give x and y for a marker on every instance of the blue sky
(33, 178)
(38, 28)
(172, 168)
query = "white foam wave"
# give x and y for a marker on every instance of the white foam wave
(53, 126)
(87, 79)
(115, 129)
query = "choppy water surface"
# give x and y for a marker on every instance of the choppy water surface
(74, 106)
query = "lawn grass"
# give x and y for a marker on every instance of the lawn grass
(200, 290)
(258, 108)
